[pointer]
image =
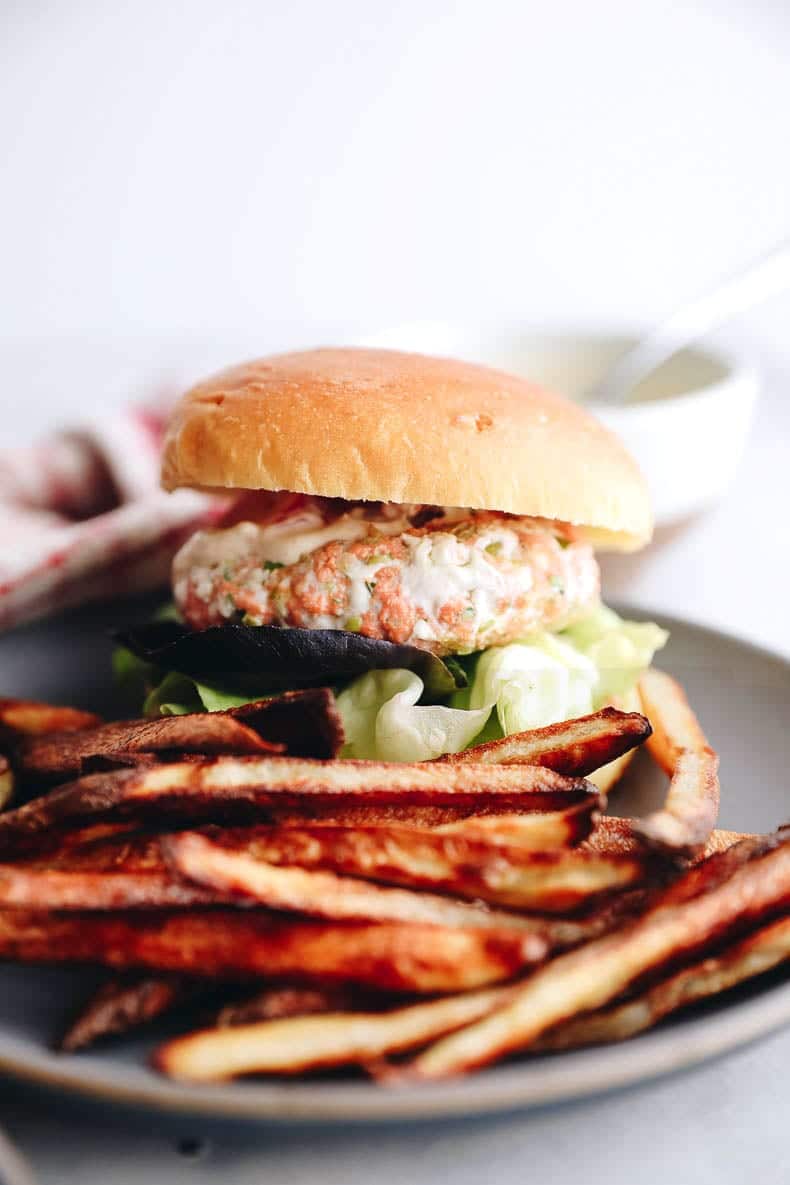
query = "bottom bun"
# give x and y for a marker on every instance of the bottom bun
(607, 777)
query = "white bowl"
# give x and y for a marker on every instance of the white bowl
(687, 424)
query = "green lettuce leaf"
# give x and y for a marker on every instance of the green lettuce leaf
(178, 694)
(533, 682)
(383, 721)
(620, 650)
(527, 684)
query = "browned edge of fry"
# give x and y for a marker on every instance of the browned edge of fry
(236, 944)
(478, 868)
(761, 951)
(613, 833)
(675, 725)
(323, 894)
(678, 744)
(303, 1044)
(219, 788)
(124, 1003)
(683, 925)
(572, 747)
(19, 717)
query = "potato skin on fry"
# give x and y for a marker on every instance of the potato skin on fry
(317, 1042)
(478, 869)
(759, 952)
(613, 833)
(675, 726)
(320, 893)
(19, 717)
(684, 824)
(588, 978)
(245, 787)
(572, 747)
(240, 944)
(122, 1004)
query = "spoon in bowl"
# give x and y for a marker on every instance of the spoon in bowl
(766, 277)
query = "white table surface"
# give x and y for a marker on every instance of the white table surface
(723, 1123)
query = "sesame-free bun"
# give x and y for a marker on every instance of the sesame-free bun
(379, 425)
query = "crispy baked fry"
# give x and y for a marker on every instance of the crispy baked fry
(478, 869)
(528, 827)
(535, 830)
(125, 1003)
(19, 717)
(27, 888)
(130, 1001)
(572, 747)
(61, 756)
(684, 824)
(675, 726)
(286, 1000)
(593, 975)
(320, 893)
(759, 952)
(222, 787)
(613, 834)
(317, 1042)
(238, 944)
(306, 722)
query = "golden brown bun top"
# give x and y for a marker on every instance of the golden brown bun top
(379, 425)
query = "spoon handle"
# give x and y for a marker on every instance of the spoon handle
(766, 277)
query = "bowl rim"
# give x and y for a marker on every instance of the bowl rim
(739, 373)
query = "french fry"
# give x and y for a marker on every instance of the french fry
(326, 894)
(64, 889)
(318, 1042)
(761, 951)
(307, 722)
(61, 756)
(139, 855)
(675, 726)
(219, 788)
(477, 869)
(573, 747)
(535, 830)
(282, 1001)
(123, 1004)
(613, 834)
(590, 977)
(531, 830)
(239, 944)
(20, 718)
(684, 824)
(131, 1001)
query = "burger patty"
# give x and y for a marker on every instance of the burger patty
(454, 585)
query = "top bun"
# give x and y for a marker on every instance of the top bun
(379, 425)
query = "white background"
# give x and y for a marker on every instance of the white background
(210, 166)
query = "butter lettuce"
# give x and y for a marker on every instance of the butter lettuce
(620, 650)
(170, 693)
(536, 681)
(383, 720)
(527, 684)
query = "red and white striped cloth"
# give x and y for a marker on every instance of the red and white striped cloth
(82, 517)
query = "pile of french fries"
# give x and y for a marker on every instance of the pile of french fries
(284, 911)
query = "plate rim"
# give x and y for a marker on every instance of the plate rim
(498, 1089)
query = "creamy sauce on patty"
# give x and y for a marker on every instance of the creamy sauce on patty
(464, 581)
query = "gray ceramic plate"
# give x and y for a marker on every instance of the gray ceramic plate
(743, 697)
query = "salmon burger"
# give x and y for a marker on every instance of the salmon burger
(387, 507)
